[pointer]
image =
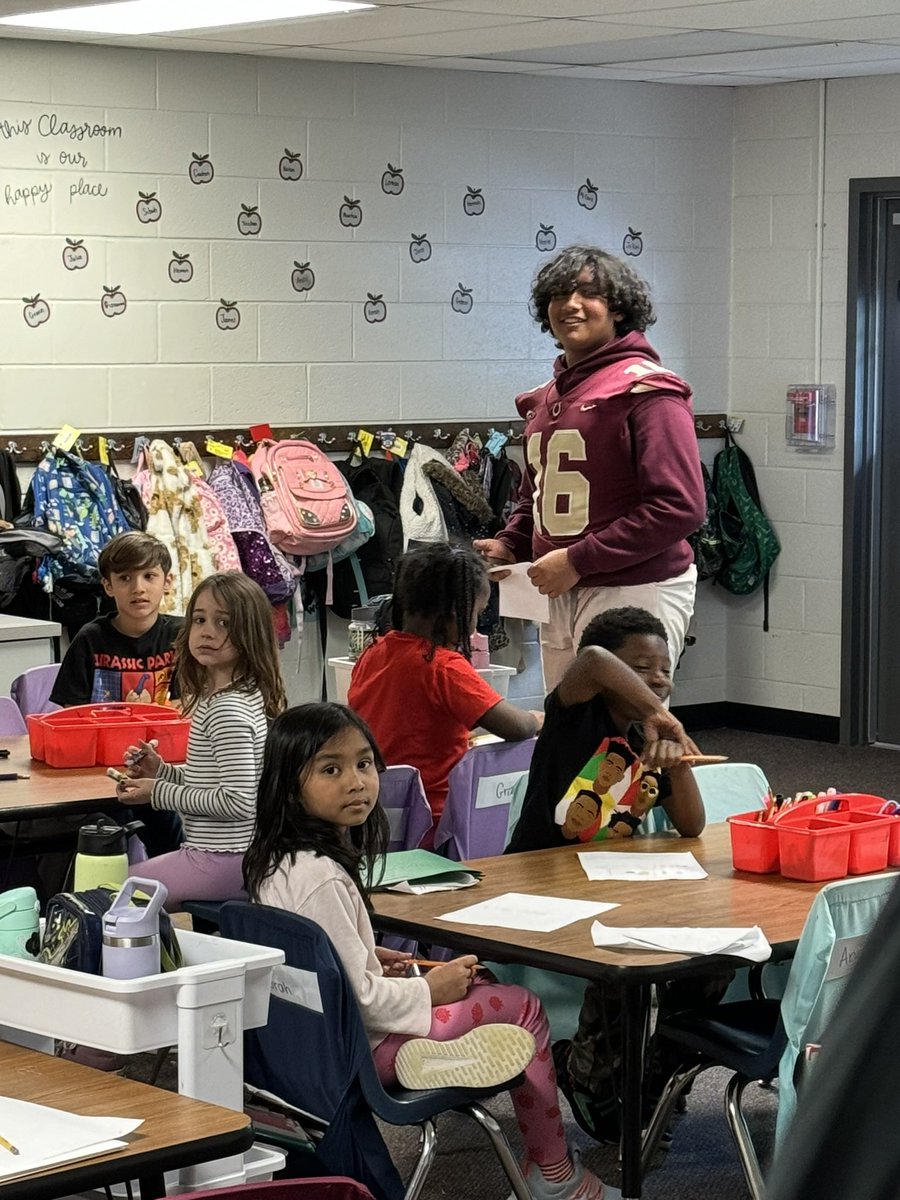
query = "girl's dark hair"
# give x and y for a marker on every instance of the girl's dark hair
(284, 827)
(251, 631)
(441, 582)
(610, 629)
(623, 289)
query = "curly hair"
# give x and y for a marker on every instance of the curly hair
(251, 631)
(284, 827)
(623, 289)
(610, 629)
(442, 582)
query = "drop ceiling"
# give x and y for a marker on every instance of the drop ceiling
(719, 42)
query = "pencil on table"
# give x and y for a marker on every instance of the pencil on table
(8, 1146)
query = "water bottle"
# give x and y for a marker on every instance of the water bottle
(19, 923)
(102, 856)
(131, 933)
(481, 656)
(361, 631)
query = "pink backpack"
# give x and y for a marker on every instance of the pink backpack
(304, 497)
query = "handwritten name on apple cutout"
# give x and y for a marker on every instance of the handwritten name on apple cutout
(350, 213)
(473, 202)
(633, 243)
(419, 247)
(113, 302)
(587, 195)
(303, 277)
(75, 255)
(201, 169)
(392, 181)
(148, 208)
(36, 311)
(545, 238)
(249, 221)
(290, 166)
(181, 269)
(375, 309)
(461, 301)
(227, 315)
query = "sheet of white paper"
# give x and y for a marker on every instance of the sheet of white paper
(744, 943)
(518, 595)
(45, 1136)
(599, 864)
(516, 910)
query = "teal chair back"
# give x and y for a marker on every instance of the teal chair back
(725, 789)
(842, 915)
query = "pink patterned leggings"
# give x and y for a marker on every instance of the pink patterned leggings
(536, 1101)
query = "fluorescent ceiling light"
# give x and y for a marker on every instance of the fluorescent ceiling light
(166, 16)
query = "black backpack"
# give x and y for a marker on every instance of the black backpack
(377, 483)
(707, 543)
(749, 541)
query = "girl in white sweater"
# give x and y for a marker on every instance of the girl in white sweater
(319, 835)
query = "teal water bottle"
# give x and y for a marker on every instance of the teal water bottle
(19, 923)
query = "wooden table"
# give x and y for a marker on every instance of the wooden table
(177, 1131)
(49, 792)
(727, 897)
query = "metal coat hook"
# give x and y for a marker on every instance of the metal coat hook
(732, 424)
(324, 440)
(14, 448)
(82, 448)
(112, 445)
(699, 425)
(45, 446)
(439, 435)
(176, 442)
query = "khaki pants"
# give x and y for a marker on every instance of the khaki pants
(671, 600)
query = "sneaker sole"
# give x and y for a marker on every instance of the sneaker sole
(484, 1057)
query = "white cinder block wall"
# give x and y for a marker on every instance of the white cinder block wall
(171, 357)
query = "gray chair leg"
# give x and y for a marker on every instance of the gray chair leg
(423, 1164)
(502, 1149)
(737, 1123)
(663, 1111)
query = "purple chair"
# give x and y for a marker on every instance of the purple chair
(31, 690)
(11, 720)
(474, 821)
(403, 798)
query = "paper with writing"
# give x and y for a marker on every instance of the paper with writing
(517, 910)
(518, 595)
(47, 1136)
(631, 867)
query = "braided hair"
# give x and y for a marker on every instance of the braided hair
(440, 582)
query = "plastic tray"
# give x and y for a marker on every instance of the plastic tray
(90, 735)
(129, 1016)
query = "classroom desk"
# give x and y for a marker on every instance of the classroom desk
(727, 897)
(177, 1131)
(50, 792)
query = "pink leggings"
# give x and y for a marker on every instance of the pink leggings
(536, 1101)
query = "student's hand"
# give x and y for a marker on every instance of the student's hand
(393, 962)
(451, 982)
(142, 761)
(664, 740)
(538, 715)
(553, 574)
(496, 552)
(134, 791)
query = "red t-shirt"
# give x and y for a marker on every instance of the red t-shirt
(419, 711)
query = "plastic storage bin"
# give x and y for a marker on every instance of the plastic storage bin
(90, 735)
(496, 675)
(754, 843)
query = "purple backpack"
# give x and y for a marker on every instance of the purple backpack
(236, 491)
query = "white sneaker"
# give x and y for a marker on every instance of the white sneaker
(583, 1185)
(483, 1057)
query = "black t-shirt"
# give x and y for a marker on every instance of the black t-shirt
(569, 738)
(103, 665)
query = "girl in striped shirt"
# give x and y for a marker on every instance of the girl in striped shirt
(231, 687)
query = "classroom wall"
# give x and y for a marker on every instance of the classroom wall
(108, 148)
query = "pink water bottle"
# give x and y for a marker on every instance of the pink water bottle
(480, 653)
(131, 932)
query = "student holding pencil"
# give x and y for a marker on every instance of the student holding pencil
(320, 833)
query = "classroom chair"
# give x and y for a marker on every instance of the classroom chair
(761, 1039)
(725, 788)
(403, 798)
(312, 1005)
(475, 819)
(12, 722)
(31, 690)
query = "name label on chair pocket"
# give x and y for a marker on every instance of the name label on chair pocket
(844, 956)
(494, 790)
(296, 986)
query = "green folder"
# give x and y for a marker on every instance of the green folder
(421, 869)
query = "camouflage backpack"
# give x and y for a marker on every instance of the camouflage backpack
(749, 541)
(707, 543)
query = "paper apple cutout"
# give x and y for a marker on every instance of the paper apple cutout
(36, 311)
(148, 208)
(350, 214)
(392, 181)
(74, 255)
(227, 315)
(419, 247)
(473, 202)
(113, 302)
(587, 195)
(461, 301)
(249, 221)
(633, 243)
(545, 238)
(374, 309)
(303, 277)
(290, 167)
(181, 269)
(201, 169)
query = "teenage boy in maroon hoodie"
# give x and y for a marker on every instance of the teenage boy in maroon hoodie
(612, 486)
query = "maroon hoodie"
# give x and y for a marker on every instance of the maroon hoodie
(612, 468)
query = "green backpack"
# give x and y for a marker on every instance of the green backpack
(749, 542)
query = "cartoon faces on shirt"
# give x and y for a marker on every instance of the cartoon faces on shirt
(603, 782)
